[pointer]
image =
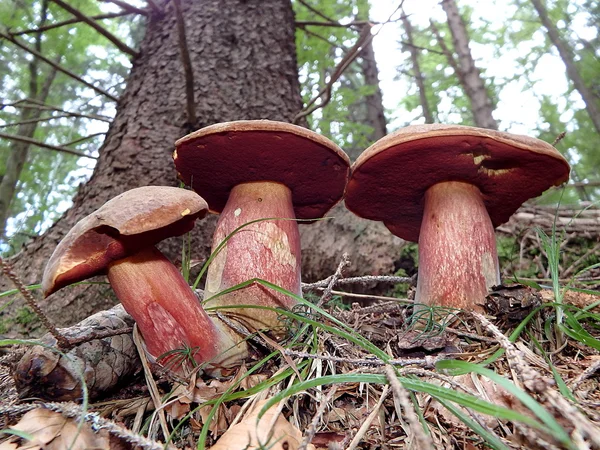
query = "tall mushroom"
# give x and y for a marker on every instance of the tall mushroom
(118, 239)
(249, 170)
(447, 187)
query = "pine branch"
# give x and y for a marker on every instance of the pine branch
(57, 66)
(36, 104)
(44, 145)
(127, 7)
(107, 34)
(69, 22)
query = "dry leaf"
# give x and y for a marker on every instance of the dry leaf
(52, 431)
(250, 435)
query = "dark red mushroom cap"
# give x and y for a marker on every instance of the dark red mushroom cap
(215, 159)
(390, 178)
(131, 221)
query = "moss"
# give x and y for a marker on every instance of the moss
(25, 316)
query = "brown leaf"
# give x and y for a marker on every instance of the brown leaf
(52, 431)
(251, 434)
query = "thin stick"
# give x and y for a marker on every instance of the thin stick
(357, 280)
(57, 66)
(69, 22)
(423, 440)
(96, 26)
(62, 341)
(73, 411)
(427, 361)
(312, 428)
(44, 145)
(345, 262)
(367, 423)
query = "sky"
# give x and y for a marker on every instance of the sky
(517, 109)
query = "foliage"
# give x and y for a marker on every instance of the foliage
(49, 178)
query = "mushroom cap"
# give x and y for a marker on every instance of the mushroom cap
(215, 159)
(390, 178)
(129, 222)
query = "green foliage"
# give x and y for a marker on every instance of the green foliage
(49, 179)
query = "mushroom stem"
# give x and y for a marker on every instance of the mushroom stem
(167, 311)
(269, 250)
(458, 261)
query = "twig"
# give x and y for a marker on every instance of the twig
(423, 441)
(24, 103)
(316, 11)
(312, 428)
(541, 385)
(427, 361)
(38, 120)
(345, 262)
(367, 423)
(62, 341)
(93, 335)
(559, 138)
(44, 145)
(371, 297)
(325, 93)
(357, 23)
(57, 66)
(69, 22)
(84, 138)
(591, 370)
(357, 280)
(154, 393)
(96, 26)
(187, 64)
(74, 411)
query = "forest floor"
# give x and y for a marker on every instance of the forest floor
(371, 374)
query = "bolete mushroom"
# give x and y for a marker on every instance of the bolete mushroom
(118, 239)
(448, 187)
(249, 170)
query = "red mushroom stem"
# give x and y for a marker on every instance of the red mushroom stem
(458, 261)
(167, 311)
(269, 250)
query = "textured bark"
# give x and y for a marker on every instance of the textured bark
(566, 54)
(469, 75)
(419, 79)
(244, 68)
(374, 101)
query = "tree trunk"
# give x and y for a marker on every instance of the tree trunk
(244, 65)
(469, 75)
(414, 57)
(591, 101)
(374, 102)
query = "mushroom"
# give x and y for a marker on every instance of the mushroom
(448, 187)
(118, 239)
(252, 170)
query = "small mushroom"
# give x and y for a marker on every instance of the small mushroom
(249, 170)
(448, 187)
(118, 239)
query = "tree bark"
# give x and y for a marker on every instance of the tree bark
(469, 75)
(420, 80)
(374, 102)
(566, 54)
(244, 64)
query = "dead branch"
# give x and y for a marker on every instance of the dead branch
(85, 138)
(69, 22)
(32, 303)
(96, 26)
(44, 145)
(25, 103)
(57, 66)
